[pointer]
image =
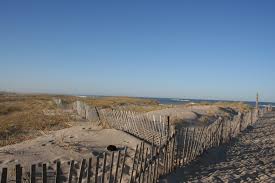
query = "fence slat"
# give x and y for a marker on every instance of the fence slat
(123, 164)
(58, 172)
(89, 170)
(111, 167)
(96, 169)
(145, 163)
(141, 162)
(81, 171)
(133, 166)
(33, 173)
(44, 173)
(104, 167)
(173, 153)
(185, 145)
(18, 171)
(4, 175)
(71, 171)
(117, 165)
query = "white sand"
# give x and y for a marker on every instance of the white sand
(72, 143)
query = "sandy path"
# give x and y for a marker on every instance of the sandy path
(75, 143)
(249, 158)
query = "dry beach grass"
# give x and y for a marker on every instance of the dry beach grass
(26, 116)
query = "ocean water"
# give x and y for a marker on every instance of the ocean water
(175, 101)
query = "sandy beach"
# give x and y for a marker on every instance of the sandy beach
(248, 158)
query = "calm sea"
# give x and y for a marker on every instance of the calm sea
(175, 101)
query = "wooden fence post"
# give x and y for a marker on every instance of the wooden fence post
(18, 171)
(173, 152)
(241, 120)
(33, 173)
(71, 171)
(166, 161)
(168, 126)
(44, 173)
(58, 172)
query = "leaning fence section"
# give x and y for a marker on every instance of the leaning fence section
(146, 127)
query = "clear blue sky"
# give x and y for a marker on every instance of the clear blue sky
(190, 49)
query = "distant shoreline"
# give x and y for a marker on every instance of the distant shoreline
(178, 101)
(167, 101)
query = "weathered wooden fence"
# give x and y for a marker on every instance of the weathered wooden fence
(146, 127)
(163, 150)
(85, 111)
(108, 167)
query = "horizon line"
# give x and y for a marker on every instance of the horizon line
(152, 97)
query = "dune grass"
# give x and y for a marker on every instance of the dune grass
(118, 101)
(239, 106)
(26, 116)
(122, 102)
(22, 117)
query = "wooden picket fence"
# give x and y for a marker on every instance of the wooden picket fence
(162, 150)
(105, 168)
